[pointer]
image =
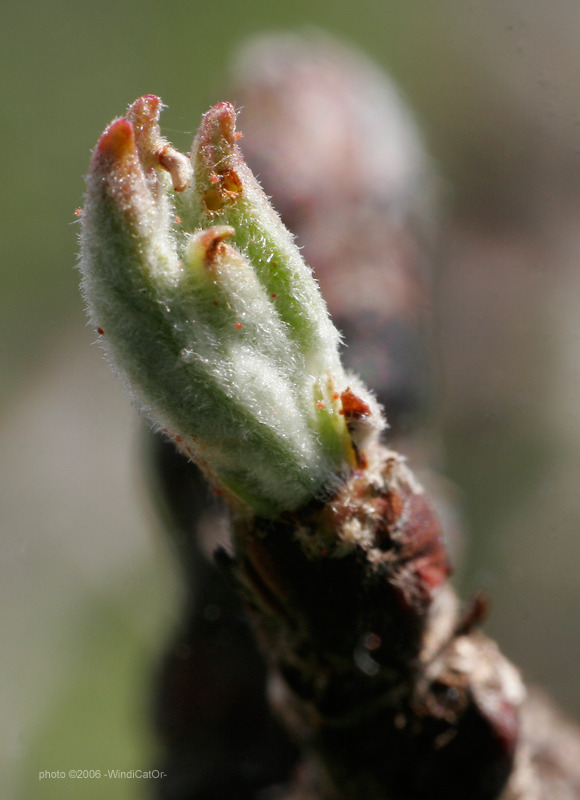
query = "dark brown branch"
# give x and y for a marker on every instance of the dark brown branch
(368, 670)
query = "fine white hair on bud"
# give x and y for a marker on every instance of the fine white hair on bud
(208, 310)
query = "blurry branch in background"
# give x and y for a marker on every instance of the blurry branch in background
(385, 689)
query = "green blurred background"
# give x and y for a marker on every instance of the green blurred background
(87, 589)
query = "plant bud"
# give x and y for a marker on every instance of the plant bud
(205, 306)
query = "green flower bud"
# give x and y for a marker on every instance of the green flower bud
(207, 309)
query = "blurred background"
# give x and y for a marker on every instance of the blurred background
(87, 588)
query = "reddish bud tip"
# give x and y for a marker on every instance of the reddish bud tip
(216, 139)
(220, 122)
(144, 112)
(117, 142)
(154, 150)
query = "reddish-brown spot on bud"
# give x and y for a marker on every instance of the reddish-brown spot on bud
(178, 220)
(274, 296)
(238, 325)
(231, 183)
(352, 406)
(320, 404)
(100, 331)
(178, 438)
(226, 188)
(211, 242)
(78, 212)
